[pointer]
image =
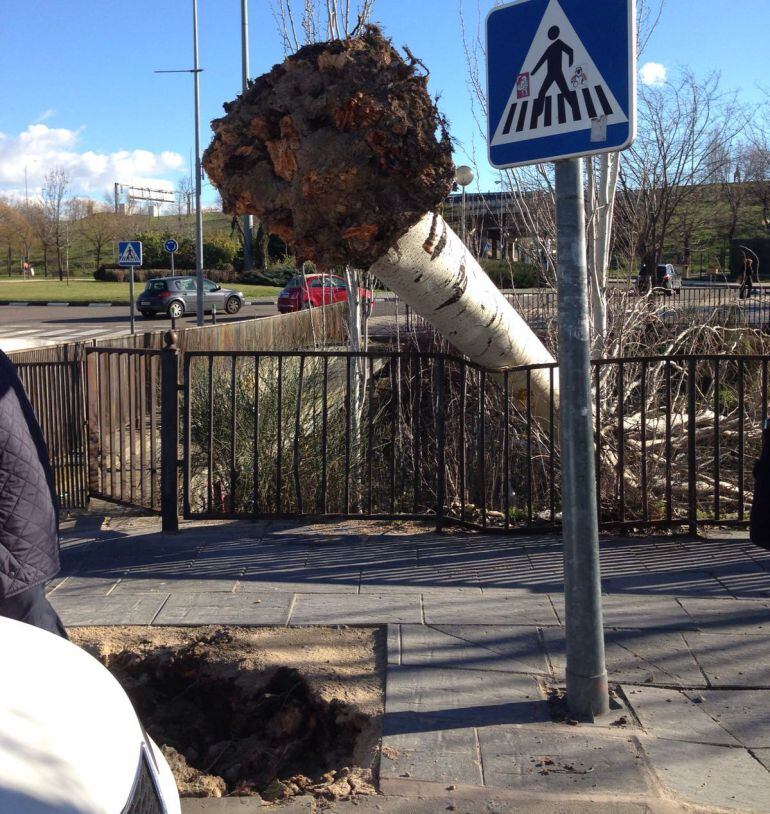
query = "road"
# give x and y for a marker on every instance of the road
(36, 326)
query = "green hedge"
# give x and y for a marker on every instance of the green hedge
(116, 274)
(524, 275)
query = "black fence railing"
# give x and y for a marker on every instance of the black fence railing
(425, 435)
(696, 305)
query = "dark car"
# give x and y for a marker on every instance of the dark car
(177, 296)
(666, 280)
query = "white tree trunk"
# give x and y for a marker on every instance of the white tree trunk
(600, 211)
(432, 271)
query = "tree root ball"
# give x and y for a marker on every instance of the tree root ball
(339, 150)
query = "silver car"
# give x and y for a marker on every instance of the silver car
(177, 296)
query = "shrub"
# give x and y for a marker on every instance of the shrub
(502, 272)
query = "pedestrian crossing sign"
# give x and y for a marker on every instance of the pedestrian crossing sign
(561, 79)
(130, 253)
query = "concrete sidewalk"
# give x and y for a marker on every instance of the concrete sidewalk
(473, 715)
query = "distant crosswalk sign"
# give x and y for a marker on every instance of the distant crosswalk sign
(561, 79)
(130, 253)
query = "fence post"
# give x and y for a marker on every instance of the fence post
(440, 444)
(169, 443)
(692, 508)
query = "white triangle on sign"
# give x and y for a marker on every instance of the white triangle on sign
(129, 255)
(556, 91)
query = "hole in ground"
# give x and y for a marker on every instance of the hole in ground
(232, 731)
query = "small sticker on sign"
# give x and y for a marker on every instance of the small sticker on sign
(522, 86)
(599, 128)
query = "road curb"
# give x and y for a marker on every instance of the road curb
(20, 304)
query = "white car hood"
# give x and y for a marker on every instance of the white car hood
(70, 741)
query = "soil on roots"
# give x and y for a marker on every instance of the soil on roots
(339, 150)
(227, 729)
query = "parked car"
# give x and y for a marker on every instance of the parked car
(177, 296)
(312, 290)
(666, 280)
(71, 742)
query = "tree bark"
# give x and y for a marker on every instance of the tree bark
(433, 272)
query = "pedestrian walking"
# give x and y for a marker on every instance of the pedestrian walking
(29, 516)
(746, 279)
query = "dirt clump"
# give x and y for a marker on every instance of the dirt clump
(233, 723)
(339, 150)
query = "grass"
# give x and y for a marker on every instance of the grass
(85, 291)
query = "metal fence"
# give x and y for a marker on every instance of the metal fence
(124, 426)
(405, 435)
(697, 305)
(56, 391)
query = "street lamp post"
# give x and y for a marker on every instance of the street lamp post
(248, 262)
(198, 213)
(464, 177)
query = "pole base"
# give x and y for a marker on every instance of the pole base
(588, 697)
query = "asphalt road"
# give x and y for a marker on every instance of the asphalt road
(40, 325)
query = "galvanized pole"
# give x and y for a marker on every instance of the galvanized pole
(587, 690)
(132, 301)
(198, 213)
(248, 261)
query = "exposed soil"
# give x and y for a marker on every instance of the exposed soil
(339, 150)
(254, 711)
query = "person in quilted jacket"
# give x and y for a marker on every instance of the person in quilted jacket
(29, 516)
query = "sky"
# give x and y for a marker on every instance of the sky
(78, 88)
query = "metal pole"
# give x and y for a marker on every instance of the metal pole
(587, 690)
(198, 213)
(172, 264)
(117, 193)
(248, 260)
(131, 296)
(169, 439)
(462, 214)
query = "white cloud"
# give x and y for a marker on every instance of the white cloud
(40, 149)
(653, 73)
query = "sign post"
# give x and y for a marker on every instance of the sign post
(171, 246)
(561, 85)
(130, 256)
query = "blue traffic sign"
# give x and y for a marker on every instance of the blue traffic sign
(130, 253)
(171, 245)
(561, 79)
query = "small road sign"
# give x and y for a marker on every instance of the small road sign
(130, 253)
(561, 79)
(171, 245)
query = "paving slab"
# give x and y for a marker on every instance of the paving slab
(462, 768)
(636, 656)
(127, 609)
(744, 713)
(497, 609)
(639, 612)
(671, 714)
(677, 583)
(711, 775)
(461, 741)
(473, 647)
(763, 756)
(355, 609)
(263, 582)
(732, 660)
(219, 608)
(729, 615)
(568, 763)
(462, 802)
(87, 586)
(429, 699)
(243, 805)
(132, 585)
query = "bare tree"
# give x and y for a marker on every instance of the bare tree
(183, 195)
(54, 195)
(300, 22)
(673, 156)
(99, 229)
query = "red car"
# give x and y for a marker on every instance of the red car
(312, 290)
